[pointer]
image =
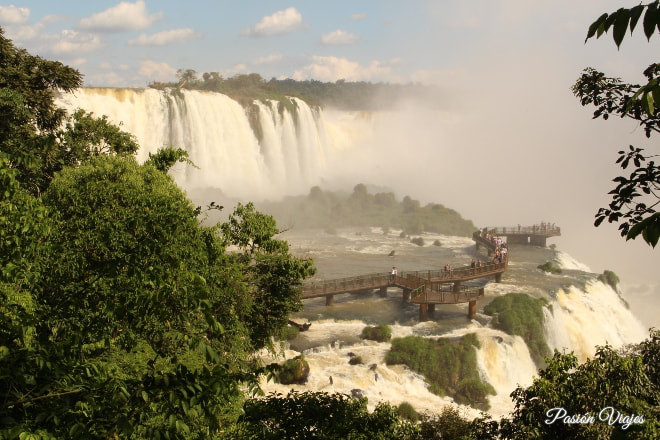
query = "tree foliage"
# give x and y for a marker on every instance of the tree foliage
(627, 382)
(331, 210)
(38, 138)
(347, 95)
(121, 314)
(635, 196)
(319, 416)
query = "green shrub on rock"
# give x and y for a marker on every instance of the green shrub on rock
(520, 314)
(551, 267)
(293, 371)
(610, 278)
(450, 367)
(379, 333)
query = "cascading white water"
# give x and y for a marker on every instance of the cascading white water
(581, 320)
(567, 262)
(294, 152)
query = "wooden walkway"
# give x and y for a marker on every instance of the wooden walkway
(425, 288)
(430, 287)
(405, 280)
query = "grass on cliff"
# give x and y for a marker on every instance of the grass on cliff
(522, 315)
(450, 367)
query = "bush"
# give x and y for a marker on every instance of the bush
(610, 278)
(419, 241)
(294, 370)
(437, 243)
(403, 234)
(449, 424)
(379, 333)
(311, 415)
(288, 333)
(450, 367)
(520, 314)
(406, 411)
(550, 266)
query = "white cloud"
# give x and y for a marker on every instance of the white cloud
(123, 17)
(156, 71)
(235, 70)
(269, 59)
(77, 62)
(13, 15)
(70, 41)
(165, 37)
(333, 68)
(281, 22)
(105, 79)
(339, 37)
(358, 17)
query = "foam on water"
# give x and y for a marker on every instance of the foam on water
(580, 320)
(569, 263)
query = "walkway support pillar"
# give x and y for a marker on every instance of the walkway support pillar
(431, 309)
(423, 312)
(472, 309)
(406, 295)
(329, 300)
(498, 277)
(457, 286)
(383, 291)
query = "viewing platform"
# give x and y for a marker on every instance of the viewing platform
(527, 235)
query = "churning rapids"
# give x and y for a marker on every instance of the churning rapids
(581, 314)
(296, 151)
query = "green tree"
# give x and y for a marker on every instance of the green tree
(38, 138)
(139, 322)
(635, 196)
(272, 276)
(121, 315)
(627, 382)
(319, 416)
(187, 78)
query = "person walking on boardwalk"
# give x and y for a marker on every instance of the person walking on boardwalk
(395, 272)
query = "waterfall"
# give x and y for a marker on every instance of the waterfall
(579, 320)
(282, 152)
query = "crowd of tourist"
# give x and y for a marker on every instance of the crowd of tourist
(501, 247)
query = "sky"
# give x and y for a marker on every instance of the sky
(514, 145)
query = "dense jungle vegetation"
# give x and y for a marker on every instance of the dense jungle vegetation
(344, 95)
(330, 210)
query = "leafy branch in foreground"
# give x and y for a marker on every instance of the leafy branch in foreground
(635, 197)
